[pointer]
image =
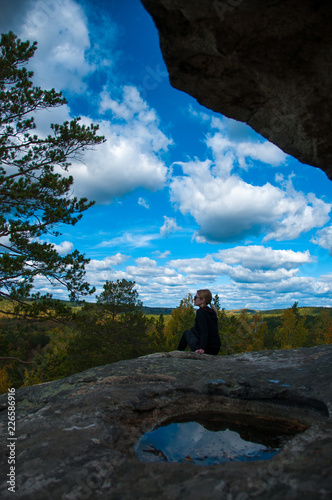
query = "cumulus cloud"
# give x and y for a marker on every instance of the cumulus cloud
(169, 226)
(60, 28)
(147, 272)
(107, 263)
(243, 153)
(205, 266)
(64, 247)
(260, 257)
(66, 56)
(130, 157)
(208, 267)
(324, 238)
(228, 209)
(144, 267)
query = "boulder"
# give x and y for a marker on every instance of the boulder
(76, 436)
(263, 62)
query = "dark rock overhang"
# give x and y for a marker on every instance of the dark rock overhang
(263, 62)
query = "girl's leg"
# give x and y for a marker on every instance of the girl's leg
(183, 342)
(188, 338)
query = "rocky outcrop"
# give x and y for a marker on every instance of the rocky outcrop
(76, 437)
(263, 62)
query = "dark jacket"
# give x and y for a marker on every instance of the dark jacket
(206, 328)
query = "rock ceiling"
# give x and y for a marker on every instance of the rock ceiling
(263, 62)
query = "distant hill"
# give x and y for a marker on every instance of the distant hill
(157, 310)
(314, 311)
(239, 311)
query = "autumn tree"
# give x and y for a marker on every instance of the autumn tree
(233, 333)
(258, 329)
(292, 332)
(182, 318)
(323, 328)
(35, 188)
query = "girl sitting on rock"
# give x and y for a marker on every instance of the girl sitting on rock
(203, 337)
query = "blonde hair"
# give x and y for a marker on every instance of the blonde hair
(206, 295)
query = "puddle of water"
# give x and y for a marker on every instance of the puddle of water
(193, 443)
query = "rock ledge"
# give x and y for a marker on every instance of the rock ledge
(76, 436)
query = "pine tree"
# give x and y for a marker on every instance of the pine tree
(35, 197)
(112, 329)
(119, 297)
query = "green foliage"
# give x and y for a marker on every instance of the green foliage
(292, 332)
(5, 381)
(119, 297)
(323, 329)
(20, 343)
(233, 333)
(158, 335)
(216, 302)
(182, 318)
(112, 329)
(96, 338)
(34, 197)
(259, 331)
(157, 310)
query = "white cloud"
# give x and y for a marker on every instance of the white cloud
(146, 262)
(144, 267)
(143, 203)
(148, 274)
(5, 242)
(228, 209)
(64, 248)
(107, 263)
(65, 56)
(132, 105)
(243, 275)
(264, 152)
(205, 266)
(129, 239)
(324, 238)
(60, 28)
(208, 267)
(231, 147)
(162, 255)
(260, 257)
(130, 157)
(169, 226)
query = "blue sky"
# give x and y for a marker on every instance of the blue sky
(185, 198)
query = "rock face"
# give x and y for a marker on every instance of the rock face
(76, 437)
(263, 62)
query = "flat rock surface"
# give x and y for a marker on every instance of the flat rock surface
(76, 436)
